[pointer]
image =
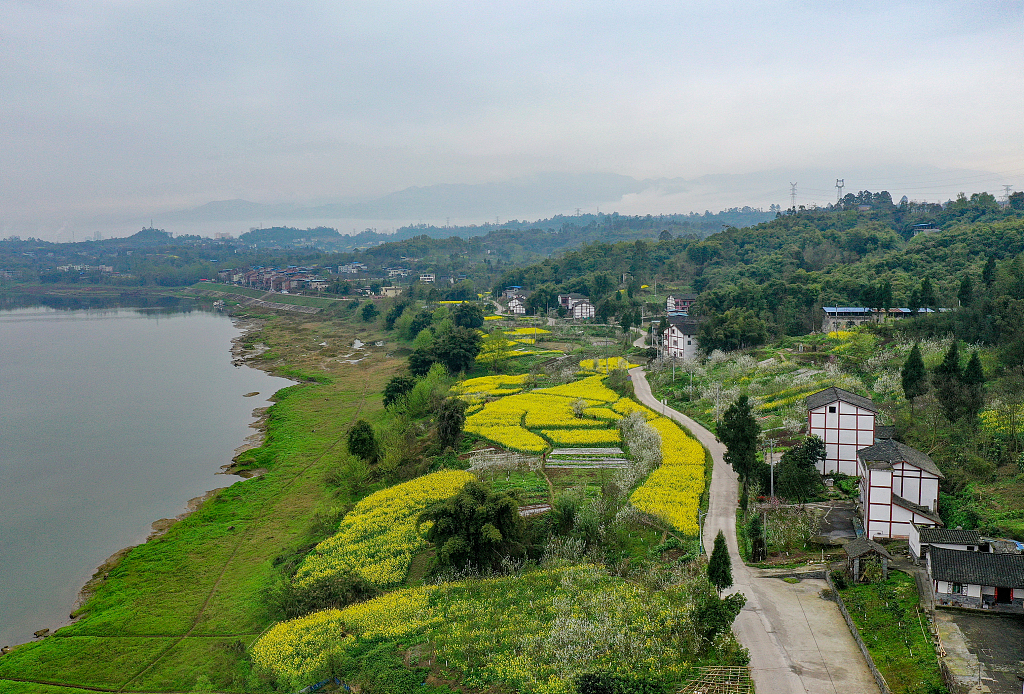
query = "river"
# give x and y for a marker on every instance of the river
(109, 420)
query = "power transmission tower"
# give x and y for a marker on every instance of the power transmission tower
(792, 195)
(840, 182)
(1007, 189)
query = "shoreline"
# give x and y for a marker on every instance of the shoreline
(162, 526)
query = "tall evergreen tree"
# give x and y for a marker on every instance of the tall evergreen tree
(739, 431)
(720, 566)
(915, 381)
(965, 295)
(973, 388)
(362, 441)
(948, 383)
(988, 273)
(928, 299)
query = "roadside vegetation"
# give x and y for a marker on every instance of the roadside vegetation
(895, 632)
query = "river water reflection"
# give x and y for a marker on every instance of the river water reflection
(109, 420)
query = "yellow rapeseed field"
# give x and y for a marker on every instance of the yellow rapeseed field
(378, 537)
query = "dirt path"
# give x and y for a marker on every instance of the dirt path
(797, 641)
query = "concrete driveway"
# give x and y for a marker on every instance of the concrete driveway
(798, 642)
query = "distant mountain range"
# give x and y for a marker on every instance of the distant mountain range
(550, 194)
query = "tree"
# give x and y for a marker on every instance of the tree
(475, 528)
(393, 314)
(450, 420)
(720, 566)
(362, 441)
(398, 387)
(457, 348)
(714, 615)
(965, 295)
(369, 311)
(420, 361)
(739, 431)
(468, 315)
(973, 389)
(915, 381)
(948, 382)
(797, 476)
(988, 273)
(496, 349)
(927, 293)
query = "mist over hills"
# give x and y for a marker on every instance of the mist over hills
(549, 194)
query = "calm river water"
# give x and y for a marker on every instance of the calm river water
(109, 420)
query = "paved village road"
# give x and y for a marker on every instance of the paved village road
(798, 642)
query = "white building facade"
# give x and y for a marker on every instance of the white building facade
(899, 487)
(680, 340)
(845, 422)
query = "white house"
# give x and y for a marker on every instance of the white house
(977, 579)
(679, 305)
(899, 486)
(845, 422)
(680, 338)
(923, 538)
(583, 309)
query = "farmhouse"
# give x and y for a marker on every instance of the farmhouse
(845, 422)
(977, 579)
(583, 309)
(681, 338)
(923, 538)
(517, 305)
(899, 486)
(679, 305)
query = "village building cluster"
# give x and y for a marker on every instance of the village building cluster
(899, 499)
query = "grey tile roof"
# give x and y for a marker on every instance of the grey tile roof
(884, 431)
(823, 397)
(862, 546)
(979, 568)
(687, 325)
(950, 536)
(886, 452)
(916, 508)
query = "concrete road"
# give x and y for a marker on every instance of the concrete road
(798, 642)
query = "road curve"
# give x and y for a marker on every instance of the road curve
(798, 642)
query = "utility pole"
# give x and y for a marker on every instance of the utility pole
(792, 195)
(840, 183)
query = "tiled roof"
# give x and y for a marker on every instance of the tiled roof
(979, 568)
(823, 397)
(862, 546)
(884, 431)
(687, 325)
(889, 451)
(950, 536)
(916, 508)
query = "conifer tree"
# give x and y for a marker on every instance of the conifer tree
(719, 566)
(915, 381)
(973, 388)
(965, 295)
(988, 273)
(948, 382)
(739, 431)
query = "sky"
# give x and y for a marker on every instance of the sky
(122, 109)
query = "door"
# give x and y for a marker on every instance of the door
(1004, 595)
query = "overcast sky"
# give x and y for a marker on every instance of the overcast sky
(138, 107)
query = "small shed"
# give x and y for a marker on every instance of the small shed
(859, 552)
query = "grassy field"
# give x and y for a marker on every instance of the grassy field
(192, 600)
(886, 615)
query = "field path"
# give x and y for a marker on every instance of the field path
(798, 642)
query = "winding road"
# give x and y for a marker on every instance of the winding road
(798, 642)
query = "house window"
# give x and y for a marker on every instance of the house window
(832, 409)
(687, 342)
(958, 588)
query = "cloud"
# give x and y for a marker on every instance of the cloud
(150, 106)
